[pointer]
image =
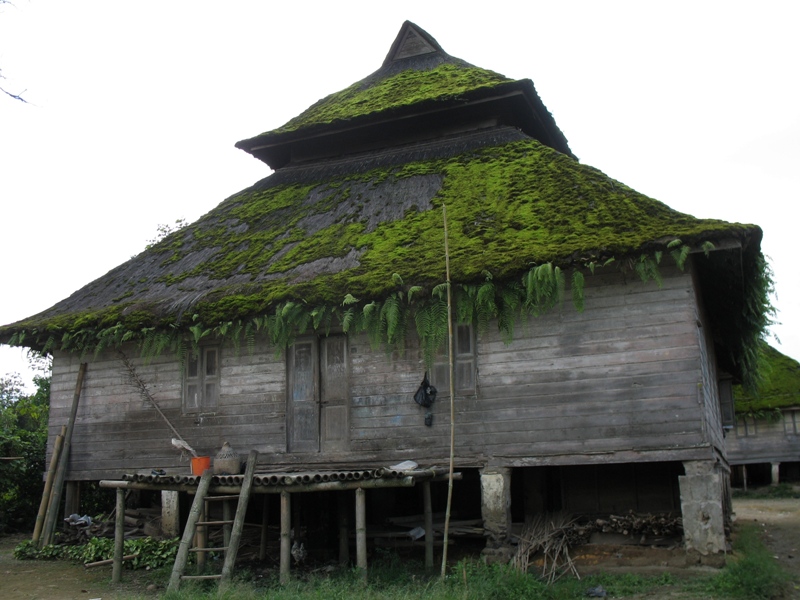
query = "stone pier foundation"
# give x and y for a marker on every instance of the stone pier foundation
(702, 505)
(496, 512)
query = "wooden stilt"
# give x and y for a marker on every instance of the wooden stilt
(119, 537)
(344, 531)
(262, 549)
(286, 542)
(426, 500)
(361, 533)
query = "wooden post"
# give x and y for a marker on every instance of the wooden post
(426, 500)
(48, 486)
(119, 537)
(58, 484)
(344, 532)
(286, 542)
(262, 549)
(361, 533)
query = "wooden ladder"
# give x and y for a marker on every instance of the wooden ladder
(232, 549)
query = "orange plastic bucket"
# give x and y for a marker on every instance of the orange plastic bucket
(200, 464)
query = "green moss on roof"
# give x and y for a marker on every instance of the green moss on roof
(780, 387)
(448, 80)
(510, 206)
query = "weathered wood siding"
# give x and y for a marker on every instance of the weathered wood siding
(630, 378)
(765, 441)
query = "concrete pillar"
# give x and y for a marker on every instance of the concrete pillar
(170, 515)
(776, 473)
(496, 505)
(702, 492)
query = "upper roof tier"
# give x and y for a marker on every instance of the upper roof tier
(419, 93)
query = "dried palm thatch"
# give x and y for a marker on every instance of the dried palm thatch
(550, 535)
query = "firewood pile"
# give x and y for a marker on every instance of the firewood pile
(548, 538)
(139, 523)
(632, 524)
(549, 535)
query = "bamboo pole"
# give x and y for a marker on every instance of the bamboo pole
(119, 537)
(61, 472)
(361, 533)
(108, 561)
(324, 486)
(48, 486)
(452, 397)
(286, 542)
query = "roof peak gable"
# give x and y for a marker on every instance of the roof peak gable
(411, 40)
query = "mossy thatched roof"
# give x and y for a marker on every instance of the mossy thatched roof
(320, 232)
(353, 223)
(780, 387)
(407, 84)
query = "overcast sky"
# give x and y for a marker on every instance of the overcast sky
(134, 109)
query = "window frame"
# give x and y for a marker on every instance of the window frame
(202, 373)
(464, 363)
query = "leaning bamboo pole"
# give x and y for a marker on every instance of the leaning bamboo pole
(452, 396)
(48, 486)
(61, 472)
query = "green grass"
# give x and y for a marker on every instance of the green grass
(782, 490)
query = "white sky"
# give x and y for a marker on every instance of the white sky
(135, 107)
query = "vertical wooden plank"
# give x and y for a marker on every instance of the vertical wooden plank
(119, 537)
(361, 533)
(286, 542)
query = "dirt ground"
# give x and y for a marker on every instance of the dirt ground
(778, 520)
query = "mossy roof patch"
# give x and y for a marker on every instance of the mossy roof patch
(412, 86)
(313, 236)
(400, 87)
(780, 387)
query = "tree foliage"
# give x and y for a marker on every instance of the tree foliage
(23, 438)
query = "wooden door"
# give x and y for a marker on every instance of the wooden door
(335, 392)
(302, 410)
(318, 407)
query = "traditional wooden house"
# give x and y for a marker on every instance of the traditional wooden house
(764, 444)
(591, 323)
